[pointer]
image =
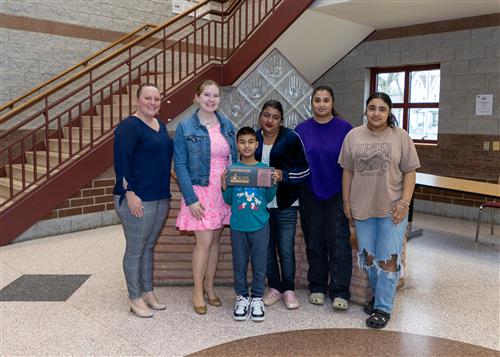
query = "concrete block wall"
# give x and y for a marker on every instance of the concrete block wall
(31, 57)
(122, 15)
(470, 65)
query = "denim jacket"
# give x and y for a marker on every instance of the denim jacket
(192, 153)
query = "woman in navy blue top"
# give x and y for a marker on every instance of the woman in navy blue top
(142, 159)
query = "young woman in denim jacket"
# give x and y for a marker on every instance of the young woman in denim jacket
(282, 149)
(203, 147)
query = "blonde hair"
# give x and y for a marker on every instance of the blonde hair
(207, 82)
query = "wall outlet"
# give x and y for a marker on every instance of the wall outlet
(496, 146)
(486, 145)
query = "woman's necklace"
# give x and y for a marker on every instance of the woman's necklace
(209, 123)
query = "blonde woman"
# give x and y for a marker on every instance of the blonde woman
(204, 146)
(142, 158)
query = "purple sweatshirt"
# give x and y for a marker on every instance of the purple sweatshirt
(322, 144)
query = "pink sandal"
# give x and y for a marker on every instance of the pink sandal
(290, 299)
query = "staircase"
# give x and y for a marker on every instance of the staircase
(61, 138)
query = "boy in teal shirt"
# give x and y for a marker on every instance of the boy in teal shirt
(249, 231)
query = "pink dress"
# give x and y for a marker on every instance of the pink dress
(217, 212)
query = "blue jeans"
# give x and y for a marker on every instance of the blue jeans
(328, 248)
(253, 246)
(282, 225)
(381, 239)
(141, 235)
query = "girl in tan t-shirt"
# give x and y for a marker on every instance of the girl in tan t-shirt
(379, 162)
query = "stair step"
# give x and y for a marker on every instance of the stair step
(5, 187)
(41, 158)
(29, 172)
(97, 121)
(18, 186)
(105, 110)
(75, 132)
(158, 78)
(133, 89)
(54, 145)
(125, 99)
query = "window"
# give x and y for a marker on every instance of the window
(414, 91)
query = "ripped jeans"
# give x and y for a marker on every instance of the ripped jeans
(382, 240)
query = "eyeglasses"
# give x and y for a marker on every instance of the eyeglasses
(270, 116)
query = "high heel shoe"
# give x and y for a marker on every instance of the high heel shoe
(140, 312)
(214, 302)
(200, 310)
(154, 305)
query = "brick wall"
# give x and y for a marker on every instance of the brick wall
(463, 156)
(96, 196)
(174, 250)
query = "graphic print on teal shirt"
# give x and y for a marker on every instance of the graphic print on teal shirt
(249, 205)
(248, 198)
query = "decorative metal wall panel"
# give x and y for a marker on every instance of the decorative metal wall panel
(274, 78)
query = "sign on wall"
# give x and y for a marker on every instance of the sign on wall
(484, 104)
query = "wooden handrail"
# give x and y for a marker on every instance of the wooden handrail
(11, 103)
(106, 59)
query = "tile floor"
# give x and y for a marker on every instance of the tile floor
(452, 292)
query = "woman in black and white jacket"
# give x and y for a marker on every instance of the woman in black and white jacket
(281, 148)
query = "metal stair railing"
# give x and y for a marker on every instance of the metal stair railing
(68, 120)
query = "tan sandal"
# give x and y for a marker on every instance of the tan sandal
(214, 302)
(317, 298)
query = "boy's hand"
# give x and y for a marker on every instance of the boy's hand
(277, 176)
(223, 184)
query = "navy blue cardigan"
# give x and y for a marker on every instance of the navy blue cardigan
(288, 155)
(143, 157)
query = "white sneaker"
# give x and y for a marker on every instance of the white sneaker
(257, 309)
(241, 308)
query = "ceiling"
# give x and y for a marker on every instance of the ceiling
(381, 14)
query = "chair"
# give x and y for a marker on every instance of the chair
(491, 205)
